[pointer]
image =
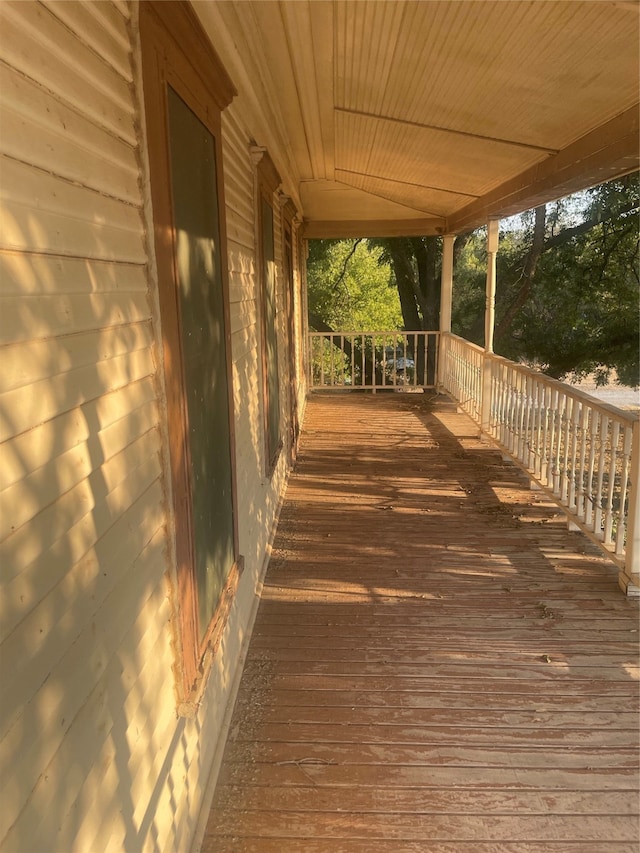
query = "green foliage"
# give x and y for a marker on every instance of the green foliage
(350, 288)
(415, 263)
(468, 300)
(586, 291)
(579, 313)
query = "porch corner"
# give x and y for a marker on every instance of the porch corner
(629, 583)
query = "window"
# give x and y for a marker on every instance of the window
(267, 182)
(183, 123)
(288, 266)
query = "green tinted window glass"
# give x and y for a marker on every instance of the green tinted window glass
(195, 208)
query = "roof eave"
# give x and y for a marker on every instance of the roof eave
(609, 152)
(322, 229)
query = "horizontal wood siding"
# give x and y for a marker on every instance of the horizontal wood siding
(257, 496)
(91, 753)
(39, 45)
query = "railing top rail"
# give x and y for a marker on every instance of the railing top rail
(605, 408)
(464, 341)
(576, 393)
(377, 333)
(586, 464)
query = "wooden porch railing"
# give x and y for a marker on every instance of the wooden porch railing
(582, 452)
(373, 360)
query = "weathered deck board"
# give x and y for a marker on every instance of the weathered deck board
(437, 664)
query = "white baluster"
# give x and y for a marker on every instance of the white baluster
(572, 441)
(624, 485)
(594, 439)
(566, 443)
(582, 450)
(599, 495)
(613, 456)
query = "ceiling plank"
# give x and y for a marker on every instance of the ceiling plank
(323, 35)
(298, 30)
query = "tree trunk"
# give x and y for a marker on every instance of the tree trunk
(426, 252)
(405, 280)
(533, 256)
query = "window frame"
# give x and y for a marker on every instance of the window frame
(290, 265)
(200, 80)
(267, 182)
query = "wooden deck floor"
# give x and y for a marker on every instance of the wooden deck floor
(437, 664)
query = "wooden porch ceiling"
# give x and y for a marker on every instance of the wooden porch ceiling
(437, 663)
(418, 116)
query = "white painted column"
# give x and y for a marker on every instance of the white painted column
(446, 291)
(305, 367)
(446, 282)
(490, 306)
(489, 319)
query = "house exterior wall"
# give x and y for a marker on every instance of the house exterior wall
(258, 496)
(93, 754)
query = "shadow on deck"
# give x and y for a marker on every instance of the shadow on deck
(437, 664)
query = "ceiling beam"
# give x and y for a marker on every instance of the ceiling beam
(468, 134)
(608, 152)
(405, 183)
(321, 229)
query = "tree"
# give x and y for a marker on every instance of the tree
(415, 262)
(350, 287)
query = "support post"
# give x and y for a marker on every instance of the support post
(304, 290)
(446, 291)
(629, 577)
(446, 282)
(489, 321)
